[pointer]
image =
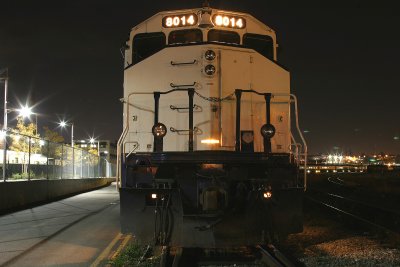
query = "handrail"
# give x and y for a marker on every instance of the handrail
(294, 143)
(134, 148)
(173, 130)
(123, 135)
(305, 149)
(182, 85)
(173, 63)
(195, 107)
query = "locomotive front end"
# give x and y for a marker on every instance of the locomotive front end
(207, 156)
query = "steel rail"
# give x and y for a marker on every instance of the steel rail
(325, 203)
(273, 257)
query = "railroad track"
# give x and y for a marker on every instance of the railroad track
(260, 256)
(369, 214)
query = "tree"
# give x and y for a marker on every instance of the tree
(53, 149)
(93, 158)
(24, 141)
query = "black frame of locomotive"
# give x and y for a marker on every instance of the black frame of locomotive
(175, 223)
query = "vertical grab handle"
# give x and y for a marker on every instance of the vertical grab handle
(191, 94)
(238, 94)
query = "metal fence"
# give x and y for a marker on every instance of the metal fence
(27, 158)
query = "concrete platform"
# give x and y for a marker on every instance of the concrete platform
(15, 195)
(24, 231)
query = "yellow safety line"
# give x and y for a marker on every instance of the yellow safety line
(121, 246)
(106, 251)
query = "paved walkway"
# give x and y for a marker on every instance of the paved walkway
(24, 231)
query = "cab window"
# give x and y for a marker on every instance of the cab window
(263, 44)
(185, 37)
(227, 37)
(147, 44)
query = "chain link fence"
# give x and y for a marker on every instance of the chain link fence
(28, 158)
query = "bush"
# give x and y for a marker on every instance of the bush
(20, 176)
(131, 256)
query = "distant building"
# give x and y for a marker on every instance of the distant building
(108, 149)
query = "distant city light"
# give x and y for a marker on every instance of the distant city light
(335, 159)
(396, 138)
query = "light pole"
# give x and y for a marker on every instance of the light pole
(63, 124)
(92, 141)
(5, 78)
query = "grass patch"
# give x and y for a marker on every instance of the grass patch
(131, 256)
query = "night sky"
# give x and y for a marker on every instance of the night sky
(65, 58)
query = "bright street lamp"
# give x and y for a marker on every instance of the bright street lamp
(25, 111)
(92, 141)
(5, 78)
(63, 124)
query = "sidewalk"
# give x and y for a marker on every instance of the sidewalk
(21, 231)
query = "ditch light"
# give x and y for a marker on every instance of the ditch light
(210, 141)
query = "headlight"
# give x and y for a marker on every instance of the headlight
(159, 130)
(267, 194)
(268, 130)
(209, 70)
(210, 55)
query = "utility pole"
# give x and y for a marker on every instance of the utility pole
(5, 78)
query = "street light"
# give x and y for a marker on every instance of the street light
(26, 112)
(92, 140)
(5, 78)
(63, 124)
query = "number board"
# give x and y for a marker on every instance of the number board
(183, 20)
(229, 21)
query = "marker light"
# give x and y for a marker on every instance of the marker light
(267, 195)
(267, 130)
(247, 137)
(159, 130)
(209, 70)
(210, 141)
(153, 196)
(210, 55)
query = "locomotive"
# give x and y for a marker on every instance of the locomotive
(207, 157)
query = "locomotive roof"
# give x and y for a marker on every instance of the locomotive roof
(251, 21)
